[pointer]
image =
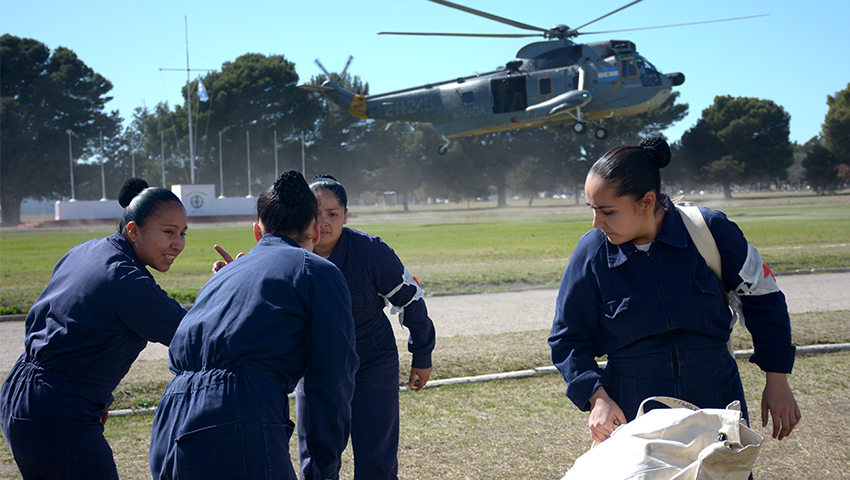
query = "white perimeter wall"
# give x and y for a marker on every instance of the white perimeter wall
(199, 200)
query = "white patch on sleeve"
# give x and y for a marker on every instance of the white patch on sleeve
(407, 278)
(757, 279)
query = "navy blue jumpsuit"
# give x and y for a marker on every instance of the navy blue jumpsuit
(375, 277)
(276, 315)
(662, 319)
(99, 310)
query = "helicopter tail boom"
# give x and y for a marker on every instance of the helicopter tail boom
(353, 103)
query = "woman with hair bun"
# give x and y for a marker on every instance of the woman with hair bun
(638, 290)
(258, 326)
(376, 278)
(99, 310)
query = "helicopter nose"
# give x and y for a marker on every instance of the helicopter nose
(677, 78)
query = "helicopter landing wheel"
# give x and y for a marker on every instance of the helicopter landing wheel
(601, 133)
(579, 127)
(442, 149)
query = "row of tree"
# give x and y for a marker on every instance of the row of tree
(53, 110)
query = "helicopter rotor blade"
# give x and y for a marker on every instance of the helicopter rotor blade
(345, 69)
(489, 16)
(487, 35)
(677, 24)
(322, 68)
(606, 15)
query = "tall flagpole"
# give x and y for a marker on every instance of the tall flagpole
(275, 154)
(220, 167)
(188, 101)
(102, 174)
(248, 143)
(189, 105)
(162, 149)
(71, 159)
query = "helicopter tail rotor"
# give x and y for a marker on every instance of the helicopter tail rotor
(340, 75)
(340, 99)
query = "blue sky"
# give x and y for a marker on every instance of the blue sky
(794, 56)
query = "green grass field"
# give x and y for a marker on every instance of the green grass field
(454, 248)
(515, 429)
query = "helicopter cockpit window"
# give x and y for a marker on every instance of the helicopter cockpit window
(645, 64)
(544, 86)
(467, 98)
(649, 75)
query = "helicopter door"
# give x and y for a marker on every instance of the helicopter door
(509, 94)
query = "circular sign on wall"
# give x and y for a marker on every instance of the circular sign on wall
(197, 201)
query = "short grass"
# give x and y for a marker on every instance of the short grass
(525, 428)
(455, 248)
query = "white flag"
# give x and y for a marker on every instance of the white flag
(202, 91)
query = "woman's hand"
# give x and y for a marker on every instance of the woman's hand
(418, 378)
(605, 415)
(218, 265)
(778, 400)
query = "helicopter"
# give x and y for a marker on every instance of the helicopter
(555, 81)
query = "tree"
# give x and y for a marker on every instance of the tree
(337, 139)
(822, 168)
(738, 139)
(496, 155)
(574, 155)
(45, 98)
(396, 153)
(836, 125)
(251, 99)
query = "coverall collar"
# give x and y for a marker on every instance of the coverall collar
(673, 233)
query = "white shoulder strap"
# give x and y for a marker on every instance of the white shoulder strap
(702, 237)
(704, 240)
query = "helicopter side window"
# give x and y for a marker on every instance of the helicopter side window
(628, 69)
(509, 94)
(544, 86)
(467, 98)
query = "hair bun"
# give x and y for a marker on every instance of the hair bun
(323, 176)
(658, 150)
(131, 187)
(291, 188)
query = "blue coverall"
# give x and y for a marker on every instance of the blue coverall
(276, 315)
(662, 319)
(375, 276)
(99, 310)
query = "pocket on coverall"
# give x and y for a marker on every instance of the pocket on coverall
(217, 451)
(36, 445)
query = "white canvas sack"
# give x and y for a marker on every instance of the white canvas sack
(678, 443)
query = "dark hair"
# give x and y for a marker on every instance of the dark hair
(288, 207)
(634, 170)
(327, 182)
(141, 202)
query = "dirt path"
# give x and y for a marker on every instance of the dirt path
(515, 312)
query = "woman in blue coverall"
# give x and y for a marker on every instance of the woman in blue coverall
(278, 314)
(376, 278)
(637, 289)
(99, 310)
